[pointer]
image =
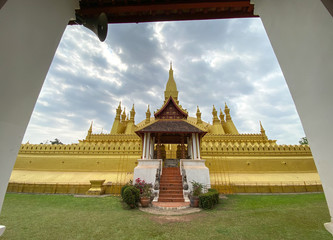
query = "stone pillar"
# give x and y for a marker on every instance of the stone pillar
(31, 31)
(189, 147)
(158, 147)
(182, 147)
(301, 35)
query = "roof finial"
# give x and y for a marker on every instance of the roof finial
(170, 65)
(261, 127)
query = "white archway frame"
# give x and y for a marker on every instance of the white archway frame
(300, 32)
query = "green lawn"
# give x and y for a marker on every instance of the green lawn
(238, 217)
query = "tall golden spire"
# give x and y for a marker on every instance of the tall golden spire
(171, 87)
(215, 118)
(221, 116)
(123, 116)
(229, 126)
(118, 112)
(227, 112)
(217, 127)
(115, 127)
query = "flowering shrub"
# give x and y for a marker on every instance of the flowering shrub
(145, 188)
(196, 188)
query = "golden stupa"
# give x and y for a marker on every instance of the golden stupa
(237, 163)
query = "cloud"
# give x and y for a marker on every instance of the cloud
(214, 61)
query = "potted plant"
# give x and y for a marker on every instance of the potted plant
(145, 191)
(196, 191)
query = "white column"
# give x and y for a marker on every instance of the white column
(30, 34)
(144, 146)
(148, 145)
(152, 147)
(194, 148)
(198, 145)
(301, 33)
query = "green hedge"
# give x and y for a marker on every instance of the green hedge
(216, 194)
(123, 189)
(209, 199)
(131, 196)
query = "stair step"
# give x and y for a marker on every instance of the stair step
(172, 182)
(171, 177)
(167, 189)
(171, 199)
(171, 191)
(171, 185)
(170, 196)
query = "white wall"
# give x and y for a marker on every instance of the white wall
(301, 33)
(30, 33)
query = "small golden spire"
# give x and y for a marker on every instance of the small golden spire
(261, 127)
(221, 116)
(262, 130)
(214, 110)
(89, 131)
(147, 116)
(132, 114)
(199, 121)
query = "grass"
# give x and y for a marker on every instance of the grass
(238, 217)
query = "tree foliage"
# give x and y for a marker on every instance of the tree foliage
(303, 141)
(56, 141)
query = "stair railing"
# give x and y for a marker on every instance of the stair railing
(186, 190)
(156, 189)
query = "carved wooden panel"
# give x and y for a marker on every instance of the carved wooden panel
(171, 112)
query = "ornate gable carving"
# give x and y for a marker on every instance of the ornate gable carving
(170, 111)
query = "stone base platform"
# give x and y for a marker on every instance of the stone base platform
(171, 205)
(170, 208)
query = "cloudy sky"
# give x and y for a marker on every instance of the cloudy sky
(214, 62)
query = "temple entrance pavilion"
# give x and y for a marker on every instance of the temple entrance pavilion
(171, 132)
(171, 127)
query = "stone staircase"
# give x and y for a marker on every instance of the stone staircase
(171, 187)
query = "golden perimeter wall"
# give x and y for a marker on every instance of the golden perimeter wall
(234, 167)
